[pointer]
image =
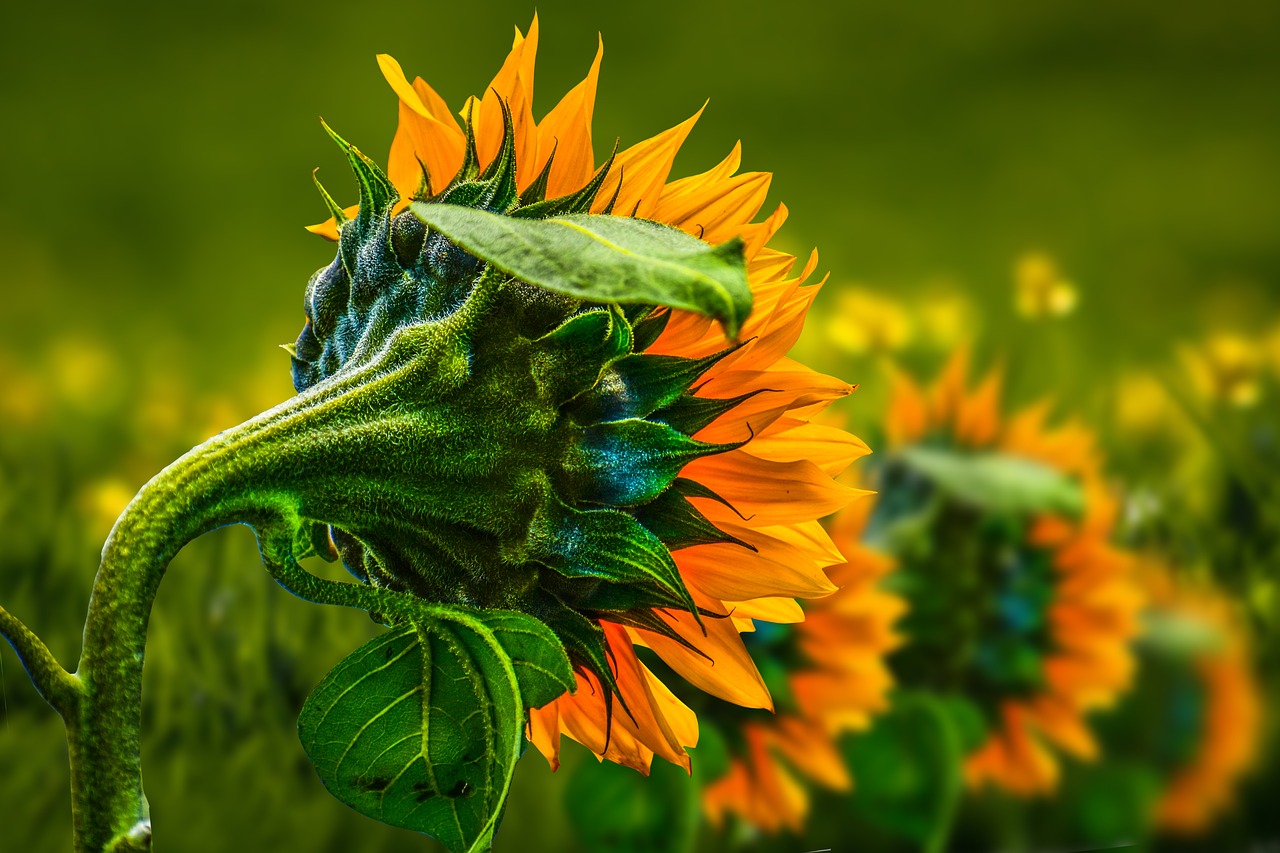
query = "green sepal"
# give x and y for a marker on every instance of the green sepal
(335, 210)
(679, 524)
(578, 202)
(537, 189)
(605, 259)
(694, 489)
(647, 619)
(377, 195)
(384, 732)
(494, 189)
(584, 641)
(602, 600)
(607, 545)
(641, 384)
(630, 462)
(690, 414)
(998, 482)
(573, 356)
(649, 328)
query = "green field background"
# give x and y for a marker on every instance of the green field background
(155, 168)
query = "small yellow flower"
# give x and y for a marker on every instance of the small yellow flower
(83, 372)
(865, 322)
(1226, 368)
(103, 501)
(946, 318)
(1142, 406)
(1040, 290)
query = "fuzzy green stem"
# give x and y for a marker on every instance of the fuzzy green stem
(182, 502)
(261, 473)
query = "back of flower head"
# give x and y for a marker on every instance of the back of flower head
(1021, 610)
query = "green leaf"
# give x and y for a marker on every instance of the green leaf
(541, 665)
(609, 259)
(421, 727)
(997, 481)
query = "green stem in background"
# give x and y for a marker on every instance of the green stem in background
(1237, 468)
(58, 687)
(952, 760)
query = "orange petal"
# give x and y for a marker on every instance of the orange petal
(781, 611)
(514, 85)
(731, 572)
(789, 440)
(567, 131)
(812, 752)
(421, 135)
(642, 170)
(724, 668)
(544, 732)
(766, 493)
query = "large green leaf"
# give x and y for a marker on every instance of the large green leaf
(421, 727)
(537, 656)
(610, 259)
(998, 481)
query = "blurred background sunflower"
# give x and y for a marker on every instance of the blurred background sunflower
(1088, 192)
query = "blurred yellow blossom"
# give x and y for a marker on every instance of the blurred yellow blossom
(866, 322)
(84, 373)
(102, 502)
(946, 317)
(1142, 405)
(23, 399)
(1272, 345)
(1040, 290)
(1226, 368)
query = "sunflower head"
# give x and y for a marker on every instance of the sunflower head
(558, 425)
(1018, 604)
(555, 442)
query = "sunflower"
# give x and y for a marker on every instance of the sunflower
(1027, 614)
(833, 678)
(1208, 698)
(697, 451)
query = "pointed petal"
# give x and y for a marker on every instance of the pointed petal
(642, 170)
(765, 492)
(567, 131)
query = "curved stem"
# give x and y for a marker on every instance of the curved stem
(58, 687)
(952, 779)
(179, 504)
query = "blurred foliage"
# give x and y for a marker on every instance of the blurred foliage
(1089, 192)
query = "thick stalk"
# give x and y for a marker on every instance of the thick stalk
(104, 736)
(228, 479)
(331, 454)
